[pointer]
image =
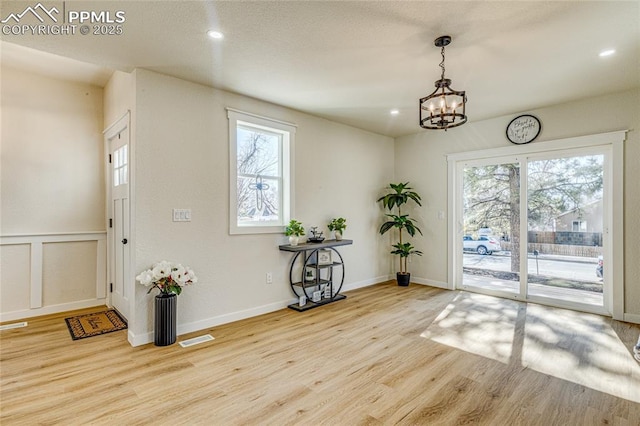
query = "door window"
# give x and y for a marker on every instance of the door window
(120, 166)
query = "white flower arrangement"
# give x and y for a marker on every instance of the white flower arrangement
(167, 277)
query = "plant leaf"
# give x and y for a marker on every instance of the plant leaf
(386, 226)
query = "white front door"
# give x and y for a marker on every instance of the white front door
(118, 232)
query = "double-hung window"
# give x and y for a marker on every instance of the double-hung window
(260, 173)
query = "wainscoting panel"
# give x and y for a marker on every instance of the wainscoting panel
(49, 273)
(14, 277)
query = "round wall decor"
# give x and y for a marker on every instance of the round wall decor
(523, 129)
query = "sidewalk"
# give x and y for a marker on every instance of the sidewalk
(539, 290)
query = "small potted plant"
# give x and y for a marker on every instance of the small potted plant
(337, 225)
(294, 231)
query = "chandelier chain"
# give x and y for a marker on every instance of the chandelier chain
(442, 63)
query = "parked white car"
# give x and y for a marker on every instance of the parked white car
(485, 244)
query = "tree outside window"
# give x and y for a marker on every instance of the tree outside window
(260, 187)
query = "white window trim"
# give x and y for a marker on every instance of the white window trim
(615, 169)
(288, 192)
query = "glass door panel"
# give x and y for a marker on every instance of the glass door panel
(491, 220)
(565, 229)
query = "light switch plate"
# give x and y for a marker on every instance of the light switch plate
(182, 215)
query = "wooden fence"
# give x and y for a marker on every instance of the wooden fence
(559, 249)
(566, 238)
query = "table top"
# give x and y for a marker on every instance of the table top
(315, 246)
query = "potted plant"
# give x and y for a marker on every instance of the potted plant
(401, 194)
(294, 230)
(337, 225)
(169, 278)
(404, 250)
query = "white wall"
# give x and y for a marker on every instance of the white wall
(51, 183)
(52, 168)
(182, 161)
(119, 97)
(420, 158)
(179, 134)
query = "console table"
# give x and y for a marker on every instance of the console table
(315, 277)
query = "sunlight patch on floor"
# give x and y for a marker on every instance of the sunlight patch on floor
(580, 348)
(574, 346)
(478, 324)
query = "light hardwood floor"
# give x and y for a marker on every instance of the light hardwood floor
(385, 355)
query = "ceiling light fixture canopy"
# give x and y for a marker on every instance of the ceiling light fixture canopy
(445, 107)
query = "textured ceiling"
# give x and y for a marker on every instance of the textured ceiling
(352, 62)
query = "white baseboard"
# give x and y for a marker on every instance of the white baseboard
(53, 309)
(144, 338)
(365, 283)
(634, 318)
(135, 340)
(233, 316)
(431, 283)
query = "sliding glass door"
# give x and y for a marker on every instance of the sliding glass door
(491, 217)
(533, 228)
(565, 225)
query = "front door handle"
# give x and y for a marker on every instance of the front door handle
(124, 241)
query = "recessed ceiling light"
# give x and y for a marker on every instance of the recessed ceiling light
(608, 52)
(215, 34)
(394, 112)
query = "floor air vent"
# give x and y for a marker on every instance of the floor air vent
(14, 325)
(196, 340)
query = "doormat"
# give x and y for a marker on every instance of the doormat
(89, 325)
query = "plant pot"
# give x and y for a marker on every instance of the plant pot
(403, 279)
(165, 319)
(293, 240)
(338, 235)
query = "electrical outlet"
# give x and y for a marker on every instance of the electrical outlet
(269, 278)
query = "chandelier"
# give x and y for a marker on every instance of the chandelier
(445, 107)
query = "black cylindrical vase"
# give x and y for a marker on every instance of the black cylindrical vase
(166, 314)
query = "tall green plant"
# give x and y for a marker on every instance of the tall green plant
(404, 250)
(401, 193)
